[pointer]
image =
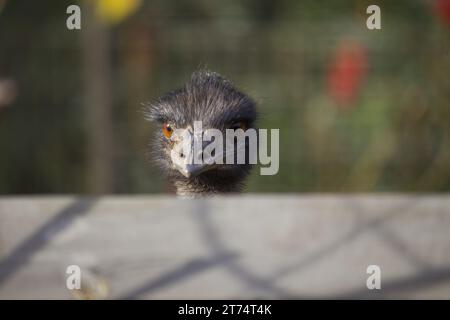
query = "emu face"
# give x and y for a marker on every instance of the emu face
(211, 99)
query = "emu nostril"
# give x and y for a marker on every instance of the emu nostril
(181, 155)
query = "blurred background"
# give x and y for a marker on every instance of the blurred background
(358, 110)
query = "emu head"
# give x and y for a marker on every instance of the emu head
(209, 99)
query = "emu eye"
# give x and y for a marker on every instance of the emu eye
(239, 125)
(167, 130)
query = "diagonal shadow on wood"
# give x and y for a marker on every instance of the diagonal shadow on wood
(211, 238)
(20, 256)
(352, 235)
(187, 270)
(220, 256)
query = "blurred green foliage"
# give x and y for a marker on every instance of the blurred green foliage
(395, 135)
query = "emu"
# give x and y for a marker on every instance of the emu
(213, 100)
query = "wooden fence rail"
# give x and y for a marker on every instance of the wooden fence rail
(254, 246)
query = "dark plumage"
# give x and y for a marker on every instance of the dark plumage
(209, 98)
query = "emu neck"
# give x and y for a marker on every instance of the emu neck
(198, 189)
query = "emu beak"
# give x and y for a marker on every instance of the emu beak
(193, 170)
(182, 154)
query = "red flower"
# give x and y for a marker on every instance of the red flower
(346, 73)
(442, 10)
